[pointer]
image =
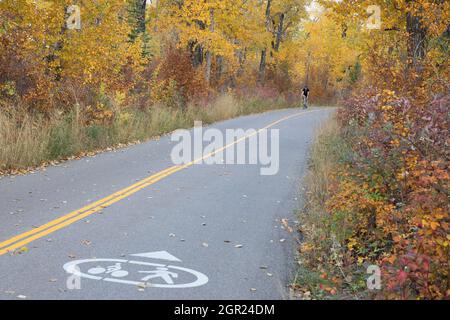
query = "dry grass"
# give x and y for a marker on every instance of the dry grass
(22, 144)
(322, 235)
(323, 158)
(29, 141)
(225, 107)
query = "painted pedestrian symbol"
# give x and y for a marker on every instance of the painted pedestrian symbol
(131, 272)
(160, 272)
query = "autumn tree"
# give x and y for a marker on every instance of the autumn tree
(281, 17)
(64, 65)
(410, 31)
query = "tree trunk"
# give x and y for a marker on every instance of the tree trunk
(138, 14)
(208, 53)
(262, 66)
(262, 63)
(219, 68)
(242, 56)
(141, 17)
(308, 68)
(196, 49)
(416, 38)
(279, 33)
(196, 52)
(208, 68)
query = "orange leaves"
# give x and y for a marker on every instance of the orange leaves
(403, 188)
(54, 67)
(330, 290)
(391, 259)
(176, 82)
(99, 114)
(434, 225)
(306, 247)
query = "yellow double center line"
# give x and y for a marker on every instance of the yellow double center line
(23, 239)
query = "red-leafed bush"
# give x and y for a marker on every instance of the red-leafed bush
(176, 82)
(395, 189)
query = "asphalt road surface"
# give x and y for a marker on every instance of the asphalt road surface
(128, 224)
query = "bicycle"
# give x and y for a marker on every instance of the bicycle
(305, 102)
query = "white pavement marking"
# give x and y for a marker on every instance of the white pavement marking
(110, 270)
(160, 255)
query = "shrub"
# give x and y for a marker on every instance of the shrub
(395, 191)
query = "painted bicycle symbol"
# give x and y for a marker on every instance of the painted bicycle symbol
(138, 273)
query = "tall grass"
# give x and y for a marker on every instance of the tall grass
(322, 234)
(22, 143)
(29, 141)
(327, 151)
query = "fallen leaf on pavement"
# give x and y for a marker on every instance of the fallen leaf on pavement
(23, 250)
(285, 223)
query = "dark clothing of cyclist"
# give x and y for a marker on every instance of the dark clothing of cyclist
(305, 92)
(305, 95)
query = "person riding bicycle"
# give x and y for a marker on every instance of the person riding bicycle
(305, 96)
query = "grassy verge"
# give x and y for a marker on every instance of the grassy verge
(31, 141)
(321, 273)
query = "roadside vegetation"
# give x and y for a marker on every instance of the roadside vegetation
(320, 274)
(378, 186)
(37, 140)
